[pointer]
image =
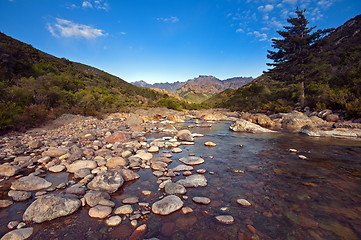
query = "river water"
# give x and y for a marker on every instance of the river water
(317, 197)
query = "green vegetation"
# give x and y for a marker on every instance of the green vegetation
(327, 74)
(35, 87)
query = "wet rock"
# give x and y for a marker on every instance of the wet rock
(18, 234)
(82, 173)
(115, 161)
(138, 232)
(8, 170)
(185, 135)
(210, 144)
(57, 168)
(75, 190)
(109, 181)
(331, 132)
(144, 155)
(174, 188)
(130, 200)
(79, 164)
(153, 149)
(195, 180)
(19, 196)
(182, 167)
(100, 211)
(128, 175)
(262, 120)
(34, 144)
(49, 207)
(186, 210)
(242, 125)
(125, 209)
(13, 224)
(146, 192)
(30, 183)
(5, 203)
(243, 202)
(177, 150)
(158, 173)
(187, 173)
(93, 198)
(225, 219)
(192, 160)
(113, 221)
(55, 152)
(201, 200)
(332, 118)
(120, 137)
(167, 205)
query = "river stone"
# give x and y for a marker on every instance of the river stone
(116, 161)
(244, 203)
(185, 135)
(186, 210)
(226, 219)
(125, 209)
(153, 149)
(167, 205)
(144, 155)
(5, 203)
(34, 144)
(57, 168)
(192, 160)
(7, 170)
(128, 175)
(210, 144)
(79, 164)
(177, 150)
(18, 234)
(182, 167)
(113, 221)
(75, 190)
(82, 173)
(116, 137)
(55, 152)
(109, 181)
(19, 196)
(51, 206)
(30, 183)
(195, 180)
(174, 188)
(100, 211)
(201, 200)
(130, 200)
(93, 198)
(242, 125)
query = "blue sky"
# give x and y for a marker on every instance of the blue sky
(164, 40)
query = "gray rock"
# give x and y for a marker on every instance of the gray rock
(130, 200)
(125, 209)
(18, 234)
(100, 211)
(242, 125)
(182, 167)
(192, 160)
(225, 219)
(7, 170)
(331, 132)
(79, 164)
(55, 152)
(174, 188)
(49, 207)
(113, 221)
(34, 144)
(185, 135)
(109, 181)
(128, 175)
(5, 203)
(201, 200)
(19, 196)
(195, 180)
(93, 198)
(30, 183)
(57, 168)
(167, 205)
(82, 173)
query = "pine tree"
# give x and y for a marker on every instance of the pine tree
(290, 60)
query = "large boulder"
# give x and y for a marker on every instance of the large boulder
(51, 206)
(242, 125)
(195, 180)
(261, 119)
(79, 164)
(109, 181)
(167, 205)
(30, 183)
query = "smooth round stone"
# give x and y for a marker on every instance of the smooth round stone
(177, 150)
(19, 195)
(187, 173)
(153, 149)
(113, 221)
(158, 173)
(201, 200)
(5, 203)
(302, 157)
(82, 173)
(192, 160)
(115, 161)
(225, 219)
(186, 210)
(131, 200)
(146, 192)
(13, 224)
(57, 168)
(18, 234)
(8, 170)
(134, 223)
(167, 155)
(30, 183)
(244, 202)
(167, 205)
(100, 211)
(195, 180)
(182, 167)
(125, 209)
(210, 144)
(201, 171)
(174, 188)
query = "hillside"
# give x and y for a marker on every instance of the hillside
(171, 87)
(36, 86)
(333, 79)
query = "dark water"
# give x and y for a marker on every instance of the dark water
(293, 198)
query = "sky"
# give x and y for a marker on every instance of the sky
(164, 40)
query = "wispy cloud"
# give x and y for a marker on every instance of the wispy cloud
(87, 4)
(66, 28)
(266, 8)
(171, 19)
(258, 35)
(91, 4)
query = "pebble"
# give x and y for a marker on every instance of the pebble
(302, 157)
(177, 150)
(201, 200)
(210, 144)
(244, 202)
(113, 221)
(186, 210)
(146, 192)
(125, 209)
(13, 224)
(225, 219)
(134, 223)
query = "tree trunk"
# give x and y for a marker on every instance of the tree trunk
(302, 98)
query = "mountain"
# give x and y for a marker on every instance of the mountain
(332, 79)
(198, 89)
(171, 87)
(36, 86)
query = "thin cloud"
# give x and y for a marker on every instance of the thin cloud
(261, 36)
(266, 8)
(171, 19)
(87, 4)
(66, 28)
(240, 30)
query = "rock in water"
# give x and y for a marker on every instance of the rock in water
(167, 205)
(108, 181)
(226, 219)
(30, 183)
(174, 188)
(93, 198)
(243, 202)
(185, 135)
(128, 175)
(18, 234)
(19, 195)
(201, 200)
(49, 207)
(100, 211)
(79, 164)
(242, 125)
(192, 160)
(195, 180)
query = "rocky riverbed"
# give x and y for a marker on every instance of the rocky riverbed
(81, 164)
